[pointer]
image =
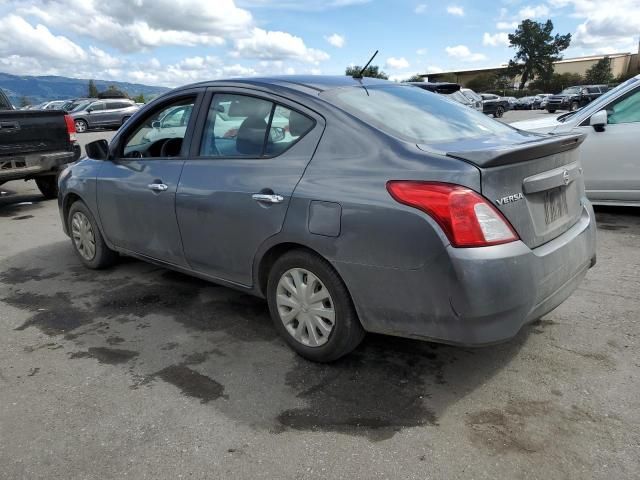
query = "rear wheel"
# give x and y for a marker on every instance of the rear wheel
(311, 307)
(81, 126)
(125, 119)
(87, 239)
(499, 112)
(551, 111)
(48, 186)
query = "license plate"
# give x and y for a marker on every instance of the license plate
(555, 204)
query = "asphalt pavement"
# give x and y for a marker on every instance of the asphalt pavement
(139, 372)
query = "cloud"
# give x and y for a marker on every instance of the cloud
(335, 40)
(463, 53)
(421, 51)
(434, 69)
(533, 11)
(499, 39)
(507, 25)
(307, 5)
(397, 63)
(272, 45)
(420, 8)
(613, 27)
(455, 10)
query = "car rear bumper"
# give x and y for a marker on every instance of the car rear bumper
(474, 296)
(30, 165)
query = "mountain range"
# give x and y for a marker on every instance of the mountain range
(41, 89)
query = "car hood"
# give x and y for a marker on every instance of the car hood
(543, 125)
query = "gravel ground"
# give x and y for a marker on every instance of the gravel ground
(138, 372)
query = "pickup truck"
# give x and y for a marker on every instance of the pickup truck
(494, 105)
(35, 144)
(573, 98)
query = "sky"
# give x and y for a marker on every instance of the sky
(175, 42)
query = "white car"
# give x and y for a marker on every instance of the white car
(475, 99)
(611, 152)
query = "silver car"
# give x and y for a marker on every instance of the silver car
(611, 125)
(107, 113)
(376, 207)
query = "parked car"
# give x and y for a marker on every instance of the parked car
(474, 97)
(573, 98)
(512, 102)
(494, 105)
(385, 209)
(451, 90)
(524, 103)
(609, 154)
(105, 113)
(539, 100)
(35, 144)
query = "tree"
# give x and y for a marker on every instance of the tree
(24, 101)
(536, 50)
(93, 91)
(112, 92)
(414, 78)
(448, 77)
(372, 71)
(139, 99)
(600, 72)
(482, 82)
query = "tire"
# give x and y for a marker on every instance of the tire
(102, 256)
(48, 186)
(551, 111)
(345, 333)
(124, 120)
(499, 112)
(81, 126)
(574, 106)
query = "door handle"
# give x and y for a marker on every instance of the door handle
(267, 198)
(157, 187)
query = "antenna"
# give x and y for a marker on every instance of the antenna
(359, 75)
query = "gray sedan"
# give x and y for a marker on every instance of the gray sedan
(107, 113)
(368, 207)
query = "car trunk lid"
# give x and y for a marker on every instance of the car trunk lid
(536, 183)
(26, 132)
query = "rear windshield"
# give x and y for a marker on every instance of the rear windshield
(413, 114)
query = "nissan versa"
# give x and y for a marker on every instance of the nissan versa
(368, 206)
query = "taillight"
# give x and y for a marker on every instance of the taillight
(466, 217)
(71, 127)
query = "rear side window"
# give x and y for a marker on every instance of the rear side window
(97, 106)
(413, 114)
(244, 126)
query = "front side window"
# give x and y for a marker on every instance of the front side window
(243, 126)
(152, 139)
(625, 110)
(413, 114)
(97, 106)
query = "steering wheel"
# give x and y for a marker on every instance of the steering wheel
(171, 147)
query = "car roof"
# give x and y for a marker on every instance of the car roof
(303, 83)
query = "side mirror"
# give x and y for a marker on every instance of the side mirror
(599, 120)
(97, 150)
(277, 134)
(156, 124)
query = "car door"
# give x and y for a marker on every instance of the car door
(246, 161)
(96, 113)
(136, 191)
(610, 157)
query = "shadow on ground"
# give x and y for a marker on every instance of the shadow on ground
(216, 345)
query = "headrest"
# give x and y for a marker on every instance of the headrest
(251, 135)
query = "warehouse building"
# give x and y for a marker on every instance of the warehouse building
(621, 63)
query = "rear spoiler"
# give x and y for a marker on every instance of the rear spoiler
(520, 152)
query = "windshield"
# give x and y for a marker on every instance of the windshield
(471, 95)
(413, 114)
(570, 91)
(460, 98)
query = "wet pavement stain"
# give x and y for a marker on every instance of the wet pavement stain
(375, 392)
(115, 340)
(22, 217)
(608, 226)
(18, 276)
(108, 356)
(191, 383)
(52, 314)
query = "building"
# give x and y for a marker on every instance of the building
(621, 63)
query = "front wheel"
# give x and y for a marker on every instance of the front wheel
(311, 307)
(81, 126)
(48, 186)
(87, 239)
(499, 112)
(551, 111)
(574, 106)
